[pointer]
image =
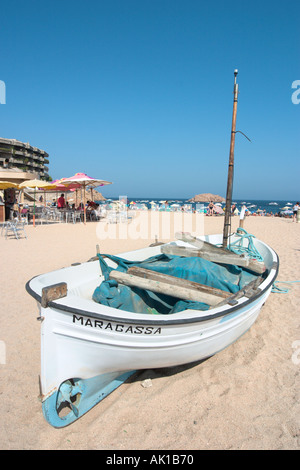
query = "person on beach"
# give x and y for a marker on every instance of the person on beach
(210, 208)
(61, 203)
(295, 210)
(91, 205)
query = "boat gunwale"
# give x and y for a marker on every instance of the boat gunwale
(169, 321)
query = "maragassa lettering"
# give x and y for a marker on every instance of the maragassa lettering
(117, 327)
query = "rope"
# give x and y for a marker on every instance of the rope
(238, 248)
(251, 251)
(278, 290)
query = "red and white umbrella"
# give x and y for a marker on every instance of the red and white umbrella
(84, 181)
(57, 185)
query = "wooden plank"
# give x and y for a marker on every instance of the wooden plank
(176, 281)
(201, 244)
(206, 247)
(215, 257)
(215, 254)
(166, 288)
(54, 292)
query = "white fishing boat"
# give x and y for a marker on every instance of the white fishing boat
(161, 306)
(88, 349)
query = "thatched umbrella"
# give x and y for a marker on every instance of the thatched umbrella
(207, 197)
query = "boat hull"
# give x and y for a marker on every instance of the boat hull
(87, 352)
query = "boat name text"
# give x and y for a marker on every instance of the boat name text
(118, 327)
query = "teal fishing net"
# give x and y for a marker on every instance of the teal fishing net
(133, 299)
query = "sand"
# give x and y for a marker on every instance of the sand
(245, 397)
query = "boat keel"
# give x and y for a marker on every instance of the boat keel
(78, 396)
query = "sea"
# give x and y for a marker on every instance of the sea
(253, 205)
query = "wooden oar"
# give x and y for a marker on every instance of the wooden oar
(169, 285)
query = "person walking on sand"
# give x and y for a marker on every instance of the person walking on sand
(295, 210)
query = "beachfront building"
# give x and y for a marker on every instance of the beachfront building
(21, 156)
(19, 161)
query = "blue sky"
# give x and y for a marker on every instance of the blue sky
(140, 92)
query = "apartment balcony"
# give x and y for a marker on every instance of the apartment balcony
(23, 156)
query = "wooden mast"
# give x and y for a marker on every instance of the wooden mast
(231, 165)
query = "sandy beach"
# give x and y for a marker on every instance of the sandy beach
(245, 397)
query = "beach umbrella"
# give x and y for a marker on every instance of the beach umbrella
(61, 186)
(58, 186)
(207, 197)
(85, 181)
(8, 185)
(218, 209)
(35, 184)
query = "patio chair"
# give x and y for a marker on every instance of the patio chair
(51, 214)
(58, 215)
(38, 214)
(45, 215)
(76, 215)
(15, 227)
(68, 216)
(112, 217)
(3, 228)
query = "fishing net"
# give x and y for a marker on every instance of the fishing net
(133, 299)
